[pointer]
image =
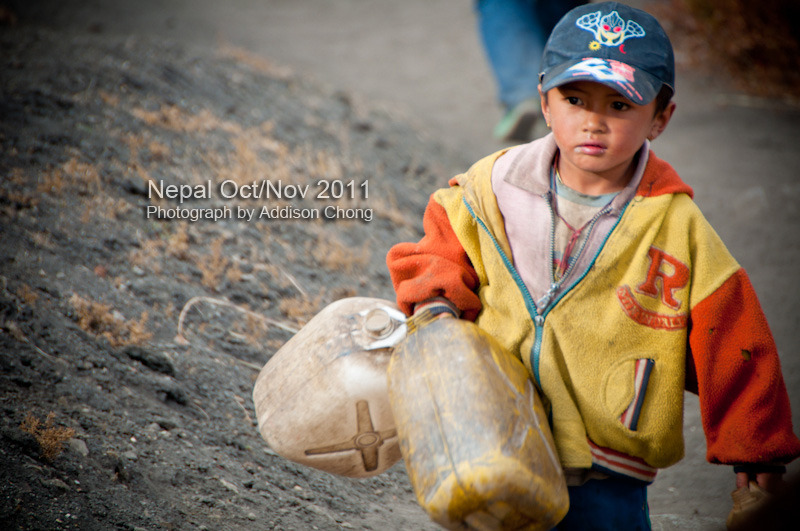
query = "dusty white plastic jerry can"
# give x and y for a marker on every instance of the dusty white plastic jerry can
(473, 430)
(322, 399)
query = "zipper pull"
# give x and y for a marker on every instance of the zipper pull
(547, 297)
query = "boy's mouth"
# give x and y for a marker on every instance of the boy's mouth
(592, 148)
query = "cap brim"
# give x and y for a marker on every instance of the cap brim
(636, 85)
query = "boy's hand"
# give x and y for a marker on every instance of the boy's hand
(752, 492)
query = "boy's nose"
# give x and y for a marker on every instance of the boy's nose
(594, 122)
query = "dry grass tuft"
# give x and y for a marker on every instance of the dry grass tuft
(214, 266)
(234, 273)
(147, 255)
(253, 329)
(51, 438)
(51, 182)
(84, 174)
(174, 118)
(302, 308)
(101, 321)
(158, 151)
(325, 165)
(112, 100)
(27, 295)
(334, 255)
(256, 62)
(12, 189)
(178, 242)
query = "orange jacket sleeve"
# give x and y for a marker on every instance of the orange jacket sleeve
(436, 266)
(739, 379)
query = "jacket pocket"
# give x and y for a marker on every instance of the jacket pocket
(625, 390)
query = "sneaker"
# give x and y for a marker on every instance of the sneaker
(518, 122)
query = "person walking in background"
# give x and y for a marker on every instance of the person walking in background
(513, 34)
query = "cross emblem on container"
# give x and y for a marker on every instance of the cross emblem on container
(366, 440)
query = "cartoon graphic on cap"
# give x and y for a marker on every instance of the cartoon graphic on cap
(608, 70)
(610, 30)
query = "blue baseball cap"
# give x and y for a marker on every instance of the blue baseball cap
(611, 43)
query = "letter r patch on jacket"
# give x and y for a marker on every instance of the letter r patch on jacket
(665, 275)
(669, 282)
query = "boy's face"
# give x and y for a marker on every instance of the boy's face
(598, 131)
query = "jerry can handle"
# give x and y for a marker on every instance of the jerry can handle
(427, 316)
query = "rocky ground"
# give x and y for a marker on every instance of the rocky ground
(108, 421)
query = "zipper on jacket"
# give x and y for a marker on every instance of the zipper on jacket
(549, 299)
(536, 312)
(544, 302)
(589, 228)
(530, 304)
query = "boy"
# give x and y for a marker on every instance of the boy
(584, 255)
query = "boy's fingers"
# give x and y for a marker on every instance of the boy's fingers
(769, 481)
(741, 479)
(766, 480)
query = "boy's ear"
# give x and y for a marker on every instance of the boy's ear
(545, 110)
(661, 120)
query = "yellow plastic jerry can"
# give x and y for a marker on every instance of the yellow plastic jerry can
(473, 431)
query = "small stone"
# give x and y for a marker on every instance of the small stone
(79, 447)
(230, 486)
(57, 483)
(155, 360)
(129, 455)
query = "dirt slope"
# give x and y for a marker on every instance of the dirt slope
(157, 434)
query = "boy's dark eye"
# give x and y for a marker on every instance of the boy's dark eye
(619, 106)
(573, 100)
